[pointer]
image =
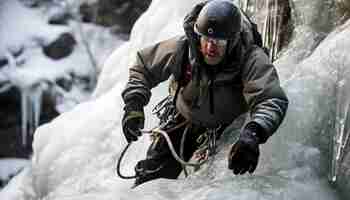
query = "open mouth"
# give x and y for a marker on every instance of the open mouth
(211, 53)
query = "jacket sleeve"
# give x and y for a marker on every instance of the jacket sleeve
(266, 99)
(151, 66)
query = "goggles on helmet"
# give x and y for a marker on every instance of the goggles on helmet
(219, 42)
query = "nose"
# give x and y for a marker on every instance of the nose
(211, 45)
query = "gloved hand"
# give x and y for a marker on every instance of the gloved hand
(133, 120)
(244, 154)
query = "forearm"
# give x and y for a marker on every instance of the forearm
(269, 115)
(137, 89)
(267, 101)
(152, 66)
(142, 79)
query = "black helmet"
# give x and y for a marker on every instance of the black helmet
(219, 19)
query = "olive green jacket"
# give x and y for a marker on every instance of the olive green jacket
(245, 81)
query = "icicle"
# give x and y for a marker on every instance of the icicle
(265, 29)
(269, 28)
(341, 136)
(37, 101)
(24, 109)
(245, 5)
(340, 139)
(5, 87)
(347, 135)
(11, 59)
(272, 28)
(275, 29)
(334, 163)
(256, 6)
(279, 30)
(344, 135)
(31, 100)
(30, 112)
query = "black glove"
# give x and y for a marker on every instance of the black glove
(244, 154)
(133, 120)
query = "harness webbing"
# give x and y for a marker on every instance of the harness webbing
(207, 148)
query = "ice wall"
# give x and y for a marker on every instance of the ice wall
(74, 155)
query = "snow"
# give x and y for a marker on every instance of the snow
(31, 34)
(11, 166)
(74, 155)
(32, 72)
(24, 32)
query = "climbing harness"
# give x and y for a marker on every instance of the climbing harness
(208, 147)
(166, 112)
(205, 150)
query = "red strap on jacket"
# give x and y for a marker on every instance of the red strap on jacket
(188, 73)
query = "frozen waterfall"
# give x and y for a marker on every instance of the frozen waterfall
(74, 155)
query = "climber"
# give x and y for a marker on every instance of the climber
(218, 72)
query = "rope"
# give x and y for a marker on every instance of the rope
(182, 148)
(173, 152)
(171, 147)
(119, 162)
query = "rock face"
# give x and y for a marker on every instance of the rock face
(10, 106)
(60, 48)
(60, 18)
(31, 3)
(3, 62)
(109, 13)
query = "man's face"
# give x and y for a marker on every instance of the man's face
(213, 50)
